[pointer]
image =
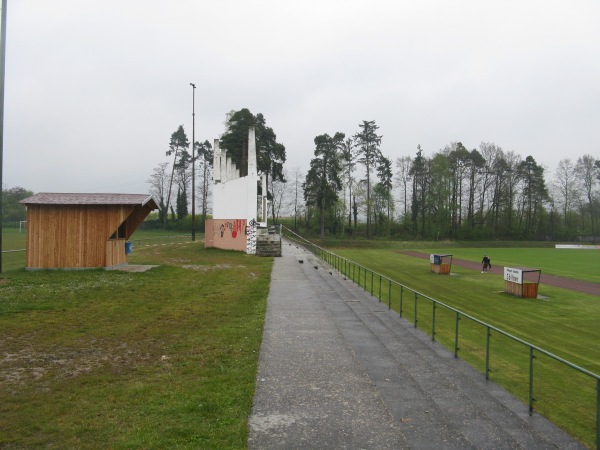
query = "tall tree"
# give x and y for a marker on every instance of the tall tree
(323, 180)
(439, 197)
(419, 172)
(349, 164)
(368, 142)
(159, 185)
(204, 157)
(459, 161)
(384, 186)
(298, 180)
(534, 193)
(476, 164)
(178, 145)
(565, 189)
(403, 176)
(587, 172)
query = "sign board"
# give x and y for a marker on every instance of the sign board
(513, 275)
(435, 259)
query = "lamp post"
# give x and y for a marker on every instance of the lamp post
(2, 64)
(193, 161)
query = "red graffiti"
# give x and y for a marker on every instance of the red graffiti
(236, 227)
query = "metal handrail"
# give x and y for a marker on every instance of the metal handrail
(348, 268)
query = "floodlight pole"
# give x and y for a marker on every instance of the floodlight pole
(2, 60)
(193, 161)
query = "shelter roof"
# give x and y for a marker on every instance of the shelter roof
(49, 198)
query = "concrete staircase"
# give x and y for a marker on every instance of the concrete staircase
(437, 400)
(268, 242)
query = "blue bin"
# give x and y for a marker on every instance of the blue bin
(128, 247)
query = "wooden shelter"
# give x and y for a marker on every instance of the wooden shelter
(82, 231)
(515, 281)
(440, 263)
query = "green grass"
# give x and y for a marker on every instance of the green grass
(578, 264)
(108, 359)
(564, 323)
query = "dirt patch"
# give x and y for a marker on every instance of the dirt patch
(33, 366)
(206, 268)
(134, 268)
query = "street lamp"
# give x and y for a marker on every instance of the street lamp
(2, 64)
(193, 161)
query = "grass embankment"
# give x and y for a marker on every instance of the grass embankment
(562, 322)
(109, 359)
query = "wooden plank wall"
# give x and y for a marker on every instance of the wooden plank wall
(115, 253)
(525, 290)
(71, 236)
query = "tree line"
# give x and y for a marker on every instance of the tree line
(456, 193)
(352, 188)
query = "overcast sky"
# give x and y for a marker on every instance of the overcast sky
(95, 88)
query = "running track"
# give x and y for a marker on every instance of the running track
(586, 287)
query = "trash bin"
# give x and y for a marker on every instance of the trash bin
(128, 247)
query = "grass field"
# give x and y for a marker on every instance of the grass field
(107, 359)
(167, 358)
(563, 322)
(578, 264)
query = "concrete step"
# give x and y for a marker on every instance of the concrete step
(423, 384)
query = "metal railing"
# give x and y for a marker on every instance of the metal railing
(373, 282)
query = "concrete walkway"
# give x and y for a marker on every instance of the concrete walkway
(337, 369)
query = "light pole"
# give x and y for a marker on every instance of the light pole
(2, 64)
(193, 161)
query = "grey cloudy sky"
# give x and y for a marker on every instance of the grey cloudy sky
(95, 88)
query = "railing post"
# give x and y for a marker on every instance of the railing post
(372, 275)
(401, 295)
(487, 353)
(598, 413)
(531, 399)
(416, 295)
(456, 348)
(433, 322)
(389, 294)
(379, 288)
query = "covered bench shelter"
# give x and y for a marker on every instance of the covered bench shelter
(515, 282)
(82, 231)
(440, 263)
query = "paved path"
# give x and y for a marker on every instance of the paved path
(337, 369)
(587, 287)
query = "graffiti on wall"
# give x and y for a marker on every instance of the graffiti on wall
(251, 237)
(233, 227)
(228, 234)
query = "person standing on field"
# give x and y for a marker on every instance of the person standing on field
(487, 264)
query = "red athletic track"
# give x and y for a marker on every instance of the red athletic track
(586, 287)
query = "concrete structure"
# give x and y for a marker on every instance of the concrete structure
(339, 370)
(236, 224)
(82, 231)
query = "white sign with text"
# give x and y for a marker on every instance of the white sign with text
(513, 275)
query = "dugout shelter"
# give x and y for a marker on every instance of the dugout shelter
(82, 231)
